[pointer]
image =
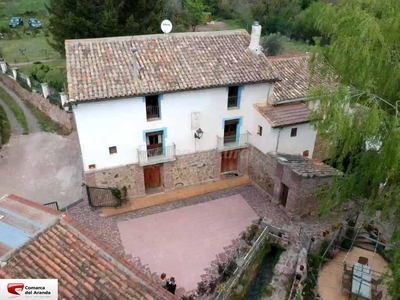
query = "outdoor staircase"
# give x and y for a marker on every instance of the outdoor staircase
(366, 240)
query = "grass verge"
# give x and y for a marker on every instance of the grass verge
(5, 127)
(45, 122)
(17, 111)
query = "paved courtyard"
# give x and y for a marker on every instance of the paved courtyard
(177, 238)
(184, 241)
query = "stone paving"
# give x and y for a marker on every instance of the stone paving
(106, 229)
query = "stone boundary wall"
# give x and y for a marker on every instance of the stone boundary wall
(58, 115)
(130, 176)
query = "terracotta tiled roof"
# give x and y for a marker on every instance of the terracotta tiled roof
(103, 68)
(294, 73)
(84, 268)
(284, 114)
(304, 166)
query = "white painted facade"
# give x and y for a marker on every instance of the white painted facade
(279, 139)
(123, 123)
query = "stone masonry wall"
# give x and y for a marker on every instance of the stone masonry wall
(130, 176)
(58, 115)
(306, 202)
(243, 162)
(261, 168)
(193, 169)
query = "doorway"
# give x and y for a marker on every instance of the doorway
(230, 130)
(152, 177)
(229, 160)
(284, 194)
(154, 143)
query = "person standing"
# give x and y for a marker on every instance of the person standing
(163, 280)
(171, 285)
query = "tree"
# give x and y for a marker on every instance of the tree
(195, 9)
(273, 44)
(77, 19)
(364, 56)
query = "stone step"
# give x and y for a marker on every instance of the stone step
(365, 246)
(362, 239)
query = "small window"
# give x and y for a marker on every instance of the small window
(152, 107)
(112, 150)
(293, 132)
(233, 95)
(305, 153)
(93, 166)
(259, 131)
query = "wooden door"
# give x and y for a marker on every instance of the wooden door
(230, 131)
(284, 194)
(229, 161)
(152, 177)
(154, 143)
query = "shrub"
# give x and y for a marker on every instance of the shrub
(273, 44)
(34, 32)
(201, 288)
(18, 33)
(46, 32)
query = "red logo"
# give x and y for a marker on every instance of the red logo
(15, 288)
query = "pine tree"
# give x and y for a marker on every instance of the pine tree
(77, 19)
(360, 118)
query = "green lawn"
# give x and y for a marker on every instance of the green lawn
(16, 109)
(5, 128)
(295, 47)
(34, 48)
(57, 65)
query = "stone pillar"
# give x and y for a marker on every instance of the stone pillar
(139, 178)
(217, 165)
(64, 101)
(45, 89)
(28, 81)
(15, 72)
(167, 176)
(3, 66)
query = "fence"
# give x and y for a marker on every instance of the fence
(242, 263)
(53, 205)
(103, 197)
(31, 84)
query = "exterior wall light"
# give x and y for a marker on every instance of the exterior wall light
(198, 134)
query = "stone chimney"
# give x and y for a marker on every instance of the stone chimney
(255, 38)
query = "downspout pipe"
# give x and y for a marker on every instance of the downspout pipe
(277, 142)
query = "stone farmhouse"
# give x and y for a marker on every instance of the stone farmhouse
(158, 112)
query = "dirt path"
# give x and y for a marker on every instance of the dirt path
(33, 124)
(31, 62)
(42, 167)
(16, 128)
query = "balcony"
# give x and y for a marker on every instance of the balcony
(152, 112)
(155, 156)
(233, 142)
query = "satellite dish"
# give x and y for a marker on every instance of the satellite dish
(166, 26)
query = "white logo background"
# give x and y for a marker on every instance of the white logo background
(50, 285)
